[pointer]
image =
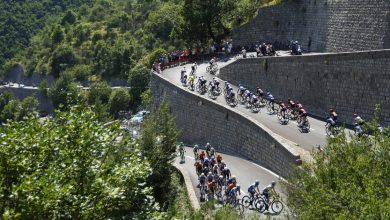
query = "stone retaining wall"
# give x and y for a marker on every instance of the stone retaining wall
(201, 120)
(348, 82)
(321, 25)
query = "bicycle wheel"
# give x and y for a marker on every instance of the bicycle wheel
(218, 90)
(260, 205)
(277, 207)
(246, 201)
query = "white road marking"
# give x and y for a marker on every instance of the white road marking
(190, 157)
(269, 171)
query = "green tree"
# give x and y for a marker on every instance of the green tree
(158, 141)
(138, 80)
(70, 17)
(99, 90)
(57, 35)
(71, 167)
(63, 57)
(347, 180)
(64, 91)
(43, 87)
(119, 101)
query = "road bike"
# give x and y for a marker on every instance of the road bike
(231, 100)
(271, 107)
(250, 200)
(201, 89)
(234, 203)
(212, 69)
(304, 126)
(283, 117)
(256, 106)
(274, 203)
(203, 191)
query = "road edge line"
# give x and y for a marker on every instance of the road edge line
(190, 190)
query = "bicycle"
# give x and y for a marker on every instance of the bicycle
(250, 200)
(212, 69)
(232, 101)
(203, 191)
(283, 117)
(304, 126)
(235, 203)
(271, 107)
(256, 107)
(276, 205)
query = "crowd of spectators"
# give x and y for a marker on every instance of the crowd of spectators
(178, 57)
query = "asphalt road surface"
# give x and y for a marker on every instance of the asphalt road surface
(245, 171)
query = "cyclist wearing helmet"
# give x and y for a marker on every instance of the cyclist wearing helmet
(219, 158)
(259, 92)
(290, 103)
(215, 169)
(222, 166)
(230, 94)
(270, 189)
(254, 188)
(253, 99)
(202, 155)
(232, 182)
(202, 179)
(213, 83)
(208, 148)
(183, 74)
(206, 162)
(282, 109)
(212, 152)
(226, 173)
(233, 193)
(358, 123)
(241, 89)
(181, 149)
(198, 167)
(194, 66)
(332, 119)
(195, 149)
(303, 114)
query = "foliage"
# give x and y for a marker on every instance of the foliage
(146, 99)
(64, 91)
(13, 109)
(43, 87)
(139, 81)
(119, 101)
(348, 179)
(99, 90)
(158, 141)
(71, 167)
(20, 20)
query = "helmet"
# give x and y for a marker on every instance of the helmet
(268, 93)
(355, 115)
(289, 99)
(226, 82)
(196, 146)
(207, 144)
(331, 110)
(238, 187)
(202, 174)
(223, 162)
(257, 183)
(300, 107)
(273, 183)
(234, 177)
(181, 144)
(298, 102)
(220, 176)
(257, 87)
(210, 173)
(226, 168)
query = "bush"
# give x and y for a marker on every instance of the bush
(119, 101)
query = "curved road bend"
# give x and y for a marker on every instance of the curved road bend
(305, 141)
(245, 171)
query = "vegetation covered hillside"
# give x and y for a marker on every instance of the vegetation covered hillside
(21, 20)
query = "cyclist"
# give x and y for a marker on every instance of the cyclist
(195, 149)
(291, 104)
(232, 182)
(259, 92)
(181, 150)
(241, 89)
(243, 52)
(226, 173)
(222, 165)
(253, 189)
(220, 181)
(212, 61)
(215, 169)
(270, 189)
(271, 100)
(206, 162)
(358, 123)
(253, 99)
(208, 148)
(198, 167)
(202, 155)
(219, 158)
(230, 94)
(202, 180)
(191, 80)
(233, 193)
(212, 161)
(210, 177)
(202, 81)
(283, 109)
(303, 115)
(212, 152)
(213, 84)
(194, 66)
(182, 74)
(332, 119)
